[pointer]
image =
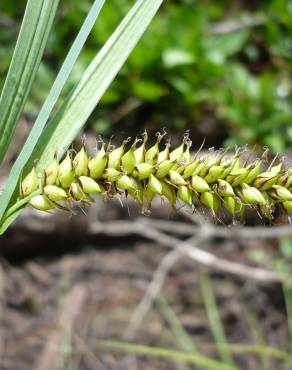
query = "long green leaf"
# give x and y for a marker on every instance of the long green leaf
(46, 110)
(215, 320)
(78, 106)
(192, 358)
(36, 25)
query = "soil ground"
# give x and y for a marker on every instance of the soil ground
(58, 304)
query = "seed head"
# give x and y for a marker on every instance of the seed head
(213, 180)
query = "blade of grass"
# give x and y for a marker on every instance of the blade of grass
(199, 360)
(215, 320)
(73, 114)
(238, 348)
(287, 291)
(48, 106)
(34, 32)
(256, 333)
(183, 339)
(75, 111)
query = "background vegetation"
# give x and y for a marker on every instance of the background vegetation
(222, 69)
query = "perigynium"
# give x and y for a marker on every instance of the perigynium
(214, 180)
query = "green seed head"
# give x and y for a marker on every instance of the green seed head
(214, 180)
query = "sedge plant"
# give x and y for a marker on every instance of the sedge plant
(60, 177)
(54, 132)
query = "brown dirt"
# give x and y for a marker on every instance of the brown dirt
(54, 309)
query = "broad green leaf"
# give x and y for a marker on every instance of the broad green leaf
(34, 32)
(46, 110)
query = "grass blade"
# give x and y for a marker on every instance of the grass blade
(192, 358)
(77, 108)
(180, 334)
(34, 32)
(215, 321)
(50, 102)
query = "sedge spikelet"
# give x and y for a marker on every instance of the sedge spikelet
(215, 180)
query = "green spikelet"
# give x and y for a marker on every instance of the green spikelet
(114, 157)
(154, 185)
(66, 172)
(185, 194)
(51, 173)
(168, 192)
(129, 160)
(163, 168)
(30, 183)
(143, 170)
(80, 163)
(97, 164)
(55, 193)
(42, 203)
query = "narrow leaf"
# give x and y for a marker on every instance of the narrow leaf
(48, 105)
(78, 106)
(201, 361)
(34, 32)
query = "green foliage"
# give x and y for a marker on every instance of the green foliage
(189, 71)
(45, 140)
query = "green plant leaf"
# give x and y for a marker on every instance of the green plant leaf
(78, 106)
(34, 32)
(8, 221)
(72, 115)
(193, 358)
(50, 102)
